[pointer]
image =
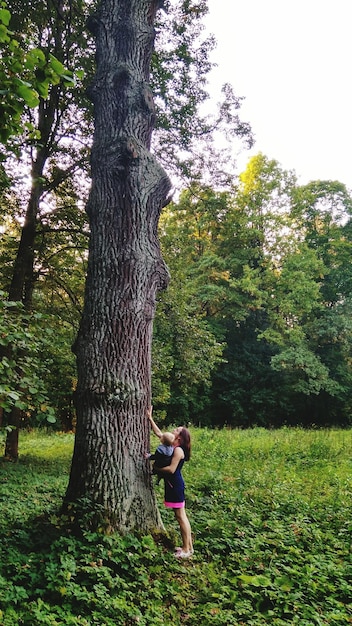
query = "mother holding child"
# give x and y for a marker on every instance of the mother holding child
(173, 480)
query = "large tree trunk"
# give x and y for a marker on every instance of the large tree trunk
(125, 270)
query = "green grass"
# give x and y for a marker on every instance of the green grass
(271, 516)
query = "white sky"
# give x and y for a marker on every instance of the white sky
(292, 61)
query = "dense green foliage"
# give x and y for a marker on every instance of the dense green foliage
(23, 369)
(26, 74)
(271, 516)
(44, 230)
(265, 269)
(255, 328)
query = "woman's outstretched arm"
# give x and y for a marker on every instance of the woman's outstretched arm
(155, 428)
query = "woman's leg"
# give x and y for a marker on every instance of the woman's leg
(185, 528)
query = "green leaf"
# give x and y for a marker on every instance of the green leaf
(69, 81)
(21, 405)
(57, 66)
(4, 37)
(284, 583)
(13, 394)
(43, 89)
(5, 16)
(29, 95)
(35, 58)
(256, 581)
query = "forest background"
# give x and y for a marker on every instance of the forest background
(255, 327)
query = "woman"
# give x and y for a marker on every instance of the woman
(175, 486)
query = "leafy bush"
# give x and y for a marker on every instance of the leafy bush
(22, 364)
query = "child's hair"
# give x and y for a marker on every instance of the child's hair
(167, 438)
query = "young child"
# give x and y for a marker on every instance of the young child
(163, 453)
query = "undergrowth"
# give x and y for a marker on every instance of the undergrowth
(271, 517)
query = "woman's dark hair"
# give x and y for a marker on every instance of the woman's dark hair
(185, 442)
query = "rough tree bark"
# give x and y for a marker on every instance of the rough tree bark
(125, 271)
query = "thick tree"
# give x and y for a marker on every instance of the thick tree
(54, 152)
(125, 271)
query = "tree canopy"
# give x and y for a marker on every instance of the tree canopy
(254, 327)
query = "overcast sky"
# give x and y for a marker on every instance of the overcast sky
(292, 60)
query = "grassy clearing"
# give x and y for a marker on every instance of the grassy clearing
(271, 515)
